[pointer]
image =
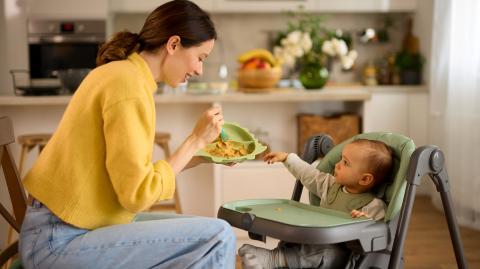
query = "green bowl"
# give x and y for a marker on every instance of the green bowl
(238, 134)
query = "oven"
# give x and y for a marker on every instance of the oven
(62, 44)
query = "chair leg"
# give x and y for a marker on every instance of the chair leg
(23, 155)
(178, 208)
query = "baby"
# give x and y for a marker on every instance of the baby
(364, 165)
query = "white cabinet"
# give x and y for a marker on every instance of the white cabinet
(147, 6)
(365, 6)
(67, 9)
(252, 180)
(403, 111)
(271, 6)
(262, 6)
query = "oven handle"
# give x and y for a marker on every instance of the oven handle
(66, 39)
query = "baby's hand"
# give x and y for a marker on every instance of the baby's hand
(275, 157)
(357, 214)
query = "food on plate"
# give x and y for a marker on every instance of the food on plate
(227, 149)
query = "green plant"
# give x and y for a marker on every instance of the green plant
(409, 61)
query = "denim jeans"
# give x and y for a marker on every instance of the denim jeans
(154, 241)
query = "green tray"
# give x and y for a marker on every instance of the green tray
(239, 134)
(293, 212)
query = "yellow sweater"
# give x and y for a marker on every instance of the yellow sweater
(97, 168)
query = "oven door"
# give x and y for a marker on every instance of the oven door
(48, 57)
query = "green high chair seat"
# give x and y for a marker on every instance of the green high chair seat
(379, 244)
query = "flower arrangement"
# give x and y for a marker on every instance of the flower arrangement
(307, 41)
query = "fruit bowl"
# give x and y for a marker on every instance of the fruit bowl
(259, 78)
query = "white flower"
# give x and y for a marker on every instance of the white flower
(306, 42)
(294, 37)
(327, 48)
(349, 59)
(340, 47)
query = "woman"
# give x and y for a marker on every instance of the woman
(96, 172)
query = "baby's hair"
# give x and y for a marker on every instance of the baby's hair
(379, 159)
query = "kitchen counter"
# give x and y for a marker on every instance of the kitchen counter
(331, 93)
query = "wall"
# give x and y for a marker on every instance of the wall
(240, 32)
(15, 45)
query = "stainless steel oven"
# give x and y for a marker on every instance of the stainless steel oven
(63, 44)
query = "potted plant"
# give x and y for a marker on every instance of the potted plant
(311, 47)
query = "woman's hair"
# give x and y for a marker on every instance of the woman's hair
(178, 17)
(379, 159)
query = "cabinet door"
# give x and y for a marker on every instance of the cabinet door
(418, 107)
(365, 5)
(67, 9)
(264, 6)
(386, 112)
(255, 180)
(147, 6)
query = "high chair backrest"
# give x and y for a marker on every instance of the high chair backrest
(14, 185)
(393, 190)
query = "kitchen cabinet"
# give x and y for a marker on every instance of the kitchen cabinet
(252, 180)
(404, 112)
(67, 9)
(146, 6)
(272, 6)
(261, 6)
(365, 6)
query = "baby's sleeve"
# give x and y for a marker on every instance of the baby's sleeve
(375, 209)
(313, 179)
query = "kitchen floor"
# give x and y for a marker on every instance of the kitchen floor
(428, 243)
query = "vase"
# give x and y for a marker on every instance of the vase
(313, 76)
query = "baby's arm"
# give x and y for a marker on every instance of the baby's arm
(375, 210)
(313, 179)
(273, 157)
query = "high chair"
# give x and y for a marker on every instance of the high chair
(374, 244)
(15, 189)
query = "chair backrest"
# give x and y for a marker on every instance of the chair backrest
(14, 185)
(393, 190)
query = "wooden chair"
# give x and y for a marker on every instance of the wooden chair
(162, 139)
(14, 186)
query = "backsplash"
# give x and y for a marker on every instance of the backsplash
(240, 32)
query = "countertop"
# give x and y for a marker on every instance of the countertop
(330, 93)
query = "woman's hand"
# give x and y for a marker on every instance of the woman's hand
(208, 126)
(275, 157)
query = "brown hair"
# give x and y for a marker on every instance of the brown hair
(379, 159)
(178, 17)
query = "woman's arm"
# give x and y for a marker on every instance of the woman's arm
(208, 128)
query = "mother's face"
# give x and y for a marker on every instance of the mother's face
(182, 63)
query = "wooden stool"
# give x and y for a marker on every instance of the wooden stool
(162, 139)
(29, 142)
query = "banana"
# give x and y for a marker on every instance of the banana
(259, 53)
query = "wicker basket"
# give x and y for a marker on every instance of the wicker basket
(259, 78)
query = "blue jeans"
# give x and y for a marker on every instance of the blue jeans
(153, 241)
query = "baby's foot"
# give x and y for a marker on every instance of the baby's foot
(260, 257)
(249, 261)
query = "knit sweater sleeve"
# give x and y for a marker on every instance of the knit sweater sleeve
(129, 126)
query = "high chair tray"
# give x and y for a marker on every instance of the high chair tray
(296, 222)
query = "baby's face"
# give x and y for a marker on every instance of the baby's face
(349, 170)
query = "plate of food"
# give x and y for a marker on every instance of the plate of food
(241, 145)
